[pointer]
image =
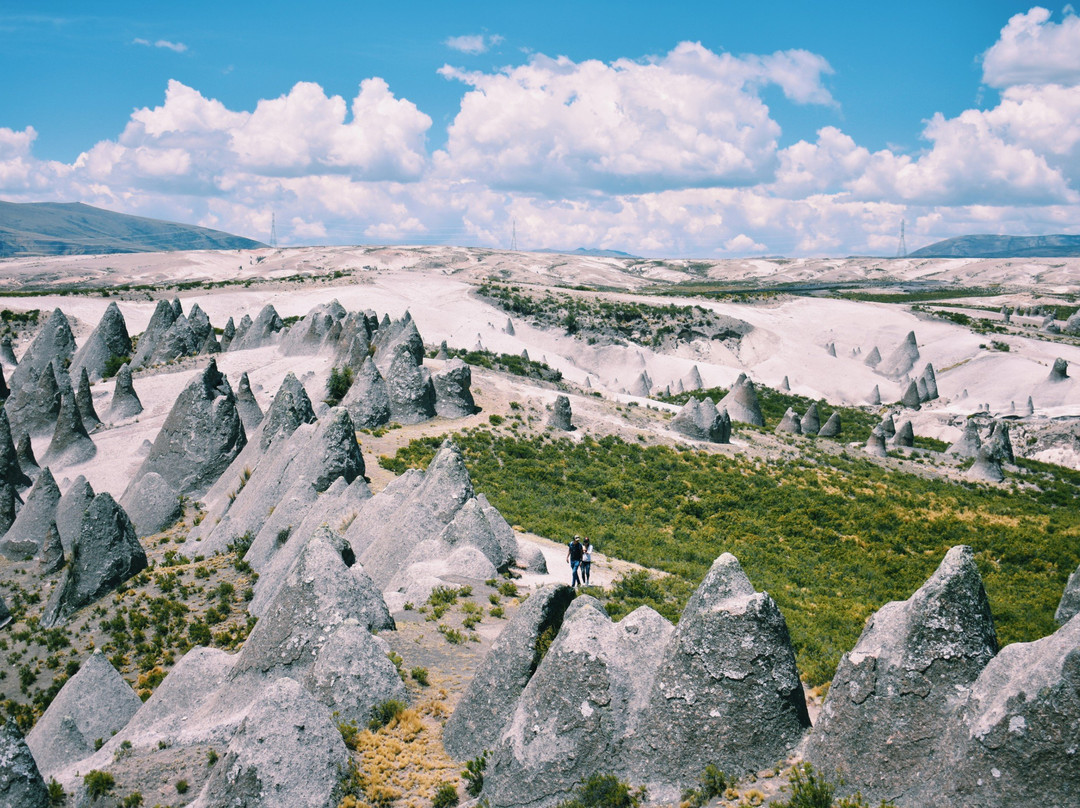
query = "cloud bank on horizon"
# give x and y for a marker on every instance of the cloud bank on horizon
(678, 154)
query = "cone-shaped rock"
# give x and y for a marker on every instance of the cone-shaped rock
(929, 378)
(727, 691)
(179, 340)
(263, 331)
(54, 342)
(227, 334)
(209, 345)
(832, 426)
(11, 469)
(640, 386)
(967, 445)
(125, 402)
(368, 399)
(70, 510)
(493, 692)
(811, 422)
(911, 399)
(873, 359)
(108, 342)
(412, 393)
(888, 426)
(1014, 740)
(94, 703)
(987, 466)
(789, 424)
(160, 322)
(200, 437)
(692, 380)
(403, 333)
(200, 323)
(106, 553)
(905, 435)
(33, 406)
(444, 353)
(26, 536)
(1070, 600)
(785, 385)
(453, 396)
(52, 552)
(700, 421)
(85, 401)
(21, 784)
(7, 353)
(999, 442)
(1060, 371)
(290, 408)
(1072, 325)
(7, 506)
(741, 403)
(178, 310)
(880, 726)
(901, 360)
(875, 396)
(70, 443)
(830, 349)
(920, 386)
(1029, 407)
(152, 504)
(250, 411)
(875, 444)
(5, 391)
(561, 415)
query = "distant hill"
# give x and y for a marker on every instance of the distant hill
(1059, 246)
(591, 252)
(72, 228)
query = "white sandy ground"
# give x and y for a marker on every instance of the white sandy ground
(437, 286)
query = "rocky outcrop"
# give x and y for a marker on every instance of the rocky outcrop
(227, 334)
(700, 421)
(152, 504)
(93, 704)
(105, 554)
(160, 322)
(70, 442)
(911, 398)
(789, 424)
(85, 401)
(26, 536)
(741, 403)
(929, 378)
(409, 385)
(309, 334)
(873, 359)
(999, 443)
(811, 422)
(1070, 600)
(968, 444)
(875, 444)
(108, 342)
(692, 380)
(832, 426)
(453, 396)
(199, 322)
(27, 462)
(34, 404)
(11, 471)
(251, 413)
(987, 466)
(54, 342)
(905, 435)
(368, 399)
(875, 396)
(21, 784)
(70, 510)
(493, 692)
(125, 401)
(901, 360)
(263, 331)
(7, 353)
(1013, 741)
(52, 552)
(290, 408)
(561, 417)
(7, 506)
(881, 725)
(200, 437)
(1060, 371)
(726, 692)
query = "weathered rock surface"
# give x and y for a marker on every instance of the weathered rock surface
(968, 444)
(7, 506)
(70, 442)
(875, 395)
(54, 342)
(106, 553)
(26, 536)
(368, 399)
(832, 427)
(152, 504)
(789, 424)
(882, 723)
(492, 695)
(561, 417)
(1070, 600)
(999, 444)
(11, 470)
(902, 359)
(27, 462)
(70, 510)
(873, 359)
(905, 435)
(412, 393)
(160, 322)
(85, 401)
(1059, 372)
(93, 704)
(290, 408)
(34, 404)
(263, 331)
(251, 413)
(453, 396)
(741, 403)
(875, 444)
(699, 420)
(929, 378)
(987, 466)
(125, 401)
(910, 398)
(811, 421)
(21, 784)
(107, 342)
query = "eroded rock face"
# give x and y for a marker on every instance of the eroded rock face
(911, 398)
(108, 342)
(11, 470)
(902, 359)
(905, 435)
(999, 444)
(1070, 600)
(21, 784)
(264, 330)
(741, 403)
(789, 424)
(94, 703)
(492, 695)
(1058, 373)
(561, 415)
(34, 403)
(368, 399)
(54, 342)
(883, 720)
(160, 322)
(968, 443)
(727, 691)
(85, 400)
(875, 444)
(152, 504)
(125, 401)
(1015, 739)
(70, 510)
(453, 396)
(52, 552)
(987, 466)
(700, 421)
(290, 408)
(250, 411)
(70, 442)
(811, 422)
(26, 536)
(412, 393)
(832, 426)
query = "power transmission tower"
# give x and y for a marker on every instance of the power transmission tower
(273, 229)
(901, 250)
(513, 238)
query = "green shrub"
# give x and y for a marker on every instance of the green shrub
(604, 791)
(113, 365)
(811, 789)
(711, 783)
(132, 800)
(181, 786)
(420, 676)
(57, 795)
(382, 714)
(338, 384)
(98, 783)
(350, 734)
(474, 774)
(446, 796)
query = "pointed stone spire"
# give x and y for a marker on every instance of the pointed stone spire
(968, 444)
(873, 358)
(7, 353)
(987, 466)
(125, 402)
(26, 535)
(52, 552)
(7, 508)
(4, 391)
(999, 442)
(1060, 371)
(70, 442)
(10, 469)
(875, 396)
(832, 426)
(785, 386)
(905, 435)
(811, 422)
(108, 342)
(227, 334)
(250, 411)
(21, 783)
(911, 399)
(875, 444)
(561, 415)
(25, 452)
(85, 401)
(929, 378)
(789, 424)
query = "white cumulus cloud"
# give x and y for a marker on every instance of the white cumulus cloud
(1034, 50)
(473, 44)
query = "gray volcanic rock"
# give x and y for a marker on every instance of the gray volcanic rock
(968, 444)
(579, 710)
(741, 403)
(70, 443)
(177, 341)
(5, 613)
(1058, 373)
(888, 426)
(901, 360)
(873, 359)
(7, 506)
(250, 412)
(94, 703)
(125, 401)
(290, 408)
(52, 552)
(727, 691)
(1070, 600)
(785, 385)
(875, 444)
(875, 396)
(54, 342)
(905, 435)
(105, 554)
(200, 436)
(21, 784)
(241, 329)
(34, 404)
(987, 466)
(152, 504)
(444, 352)
(388, 342)
(493, 692)
(5, 391)
(227, 334)
(308, 335)
(692, 380)
(11, 470)
(999, 442)
(881, 725)
(700, 421)
(930, 379)
(453, 398)
(368, 399)
(640, 386)
(263, 331)
(178, 310)
(830, 349)
(1014, 740)
(811, 422)
(412, 393)
(108, 341)
(920, 387)
(561, 417)
(199, 322)
(7, 353)
(832, 426)
(70, 510)
(209, 345)
(160, 322)
(26, 536)
(25, 452)
(353, 674)
(85, 401)
(789, 424)
(1072, 325)
(287, 752)
(910, 398)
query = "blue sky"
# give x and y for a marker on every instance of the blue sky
(709, 129)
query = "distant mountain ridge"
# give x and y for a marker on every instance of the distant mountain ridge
(1055, 246)
(72, 228)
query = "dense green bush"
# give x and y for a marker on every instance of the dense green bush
(385, 712)
(604, 791)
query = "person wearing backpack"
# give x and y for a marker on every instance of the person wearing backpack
(574, 554)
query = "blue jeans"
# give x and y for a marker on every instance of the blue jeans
(586, 566)
(574, 565)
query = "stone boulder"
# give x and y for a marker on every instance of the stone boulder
(227, 334)
(905, 435)
(53, 342)
(85, 401)
(308, 335)
(200, 437)
(26, 536)
(412, 393)
(875, 444)
(94, 704)
(11, 471)
(401, 334)
(901, 360)
(1070, 600)
(741, 403)
(832, 427)
(999, 443)
(875, 396)
(108, 342)
(251, 413)
(561, 417)
(789, 424)
(453, 397)
(199, 321)
(493, 692)
(1072, 325)
(263, 331)
(811, 422)
(873, 359)
(968, 444)
(987, 466)
(7, 353)
(70, 510)
(27, 462)
(911, 398)
(160, 322)
(368, 399)
(882, 722)
(699, 420)
(287, 751)
(152, 504)
(21, 784)
(52, 552)
(290, 408)
(692, 380)
(1058, 373)
(727, 691)
(125, 401)
(34, 404)
(70, 442)
(929, 378)
(105, 554)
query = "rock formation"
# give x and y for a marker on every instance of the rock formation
(901, 360)
(967, 445)
(453, 396)
(152, 504)
(54, 342)
(411, 391)
(1060, 371)
(125, 402)
(929, 378)
(368, 399)
(290, 408)
(85, 401)
(700, 421)
(905, 435)
(70, 510)
(160, 322)
(875, 396)
(741, 403)
(875, 444)
(692, 380)
(873, 359)
(26, 536)
(7, 506)
(251, 413)
(1070, 600)
(561, 415)
(789, 424)
(70, 442)
(108, 342)
(999, 442)
(987, 466)
(34, 404)
(11, 470)
(259, 333)
(7, 353)
(227, 334)
(910, 398)
(811, 422)
(21, 784)
(52, 552)
(832, 426)
(881, 725)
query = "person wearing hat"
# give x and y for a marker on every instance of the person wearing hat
(574, 554)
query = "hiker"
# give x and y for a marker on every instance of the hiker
(574, 553)
(586, 560)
